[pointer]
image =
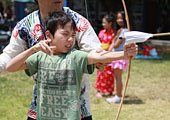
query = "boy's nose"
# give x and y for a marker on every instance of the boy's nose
(70, 39)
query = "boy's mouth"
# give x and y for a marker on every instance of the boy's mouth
(68, 45)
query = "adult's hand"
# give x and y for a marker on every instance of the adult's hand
(100, 66)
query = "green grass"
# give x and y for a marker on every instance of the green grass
(147, 97)
(16, 93)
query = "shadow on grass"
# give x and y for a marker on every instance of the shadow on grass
(3, 79)
(132, 100)
(165, 56)
(129, 99)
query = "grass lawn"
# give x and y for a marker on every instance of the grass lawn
(147, 97)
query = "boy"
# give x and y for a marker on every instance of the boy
(60, 69)
(30, 30)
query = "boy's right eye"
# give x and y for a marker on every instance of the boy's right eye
(65, 34)
(74, 35)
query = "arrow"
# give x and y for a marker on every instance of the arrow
(137, 37)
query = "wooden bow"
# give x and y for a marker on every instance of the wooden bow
(129, 67)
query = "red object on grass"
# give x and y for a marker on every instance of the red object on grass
(146, 50)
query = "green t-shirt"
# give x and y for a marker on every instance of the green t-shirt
(58, 84)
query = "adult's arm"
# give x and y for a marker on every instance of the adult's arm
(15, 46)
(88, 40)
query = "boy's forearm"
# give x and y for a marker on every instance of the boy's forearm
(105, 57)
(18, 62)
(130, 50)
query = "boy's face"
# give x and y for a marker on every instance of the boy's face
(63, 39)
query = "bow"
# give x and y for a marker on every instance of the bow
(129, 67)
(135, 37)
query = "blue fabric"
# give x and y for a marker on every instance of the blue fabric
(65, 3)
(147, 57)
(23, 0)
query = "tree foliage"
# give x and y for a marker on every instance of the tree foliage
(6, 3)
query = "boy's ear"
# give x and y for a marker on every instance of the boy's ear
(48, 35)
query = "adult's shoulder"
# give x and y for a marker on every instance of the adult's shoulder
(30, 18)
(70, 11)
(75, 15)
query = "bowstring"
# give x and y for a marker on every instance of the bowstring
(86, 9)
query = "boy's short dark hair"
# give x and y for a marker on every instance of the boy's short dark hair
(56, 19)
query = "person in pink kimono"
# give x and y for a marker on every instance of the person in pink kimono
(118, 66)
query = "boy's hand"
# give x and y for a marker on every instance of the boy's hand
(43, 46)
(130, 50)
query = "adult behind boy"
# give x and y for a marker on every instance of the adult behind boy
(60, 71)
(30, 31)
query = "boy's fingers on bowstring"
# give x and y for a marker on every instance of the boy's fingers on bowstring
(42, 47)
(47, 41)
(52, 49)
(45, 48)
